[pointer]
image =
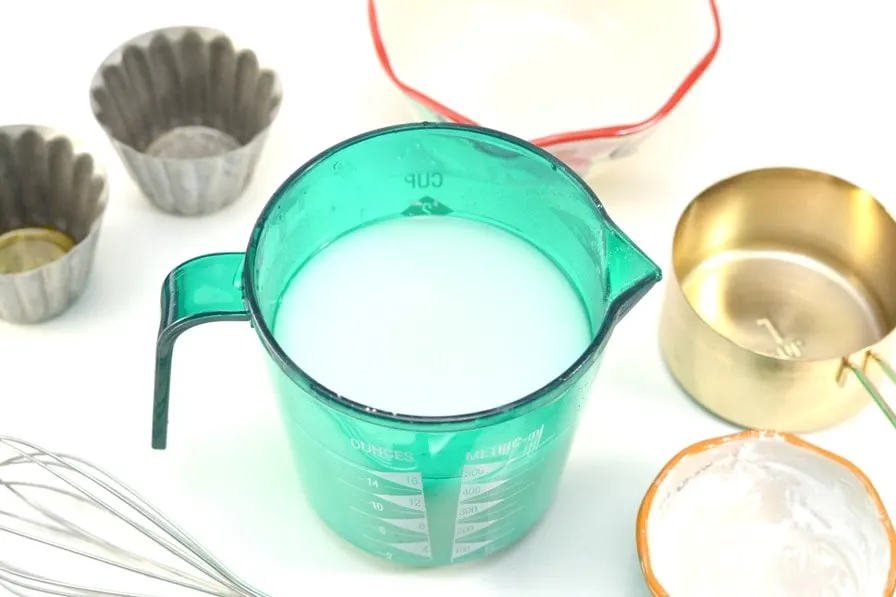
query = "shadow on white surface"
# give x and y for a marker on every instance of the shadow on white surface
(785, 90)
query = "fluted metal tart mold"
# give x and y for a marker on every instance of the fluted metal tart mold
(188, 113)
(48, 181)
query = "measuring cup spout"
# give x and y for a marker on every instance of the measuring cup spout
(630, 273)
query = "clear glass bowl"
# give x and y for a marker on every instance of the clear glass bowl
(585, 79)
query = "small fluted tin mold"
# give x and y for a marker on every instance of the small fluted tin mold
(188, 113)
(53, 196)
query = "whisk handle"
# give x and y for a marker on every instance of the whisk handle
(202, 290)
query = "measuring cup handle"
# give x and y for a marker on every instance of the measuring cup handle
(859, 372)
(203, 290)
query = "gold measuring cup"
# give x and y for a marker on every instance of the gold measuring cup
(781, 310)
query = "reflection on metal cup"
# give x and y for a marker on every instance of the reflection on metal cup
(783, 280)
(52, 199)
(188, 113)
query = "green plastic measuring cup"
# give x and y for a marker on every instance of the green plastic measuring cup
(418, 490)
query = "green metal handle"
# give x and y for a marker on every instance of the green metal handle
(203, 290)
(876, 395)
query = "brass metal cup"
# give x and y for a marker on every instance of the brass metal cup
(782, 297)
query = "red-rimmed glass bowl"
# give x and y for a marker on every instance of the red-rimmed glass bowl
(585, 79)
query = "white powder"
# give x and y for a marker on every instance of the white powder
(762, 517)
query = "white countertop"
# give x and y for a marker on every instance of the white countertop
(800, 83)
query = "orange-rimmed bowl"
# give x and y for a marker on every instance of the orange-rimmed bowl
(585, 79)
(838, 476)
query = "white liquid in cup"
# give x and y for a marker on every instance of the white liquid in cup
(432, 316)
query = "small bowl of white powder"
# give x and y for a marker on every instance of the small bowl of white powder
(764, 514)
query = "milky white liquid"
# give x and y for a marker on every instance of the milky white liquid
(430, 316)
(765, 518)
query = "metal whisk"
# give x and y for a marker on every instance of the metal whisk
(43, 494)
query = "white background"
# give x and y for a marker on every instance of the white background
(797, 82)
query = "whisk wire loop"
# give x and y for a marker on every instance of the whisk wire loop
(80, 481)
